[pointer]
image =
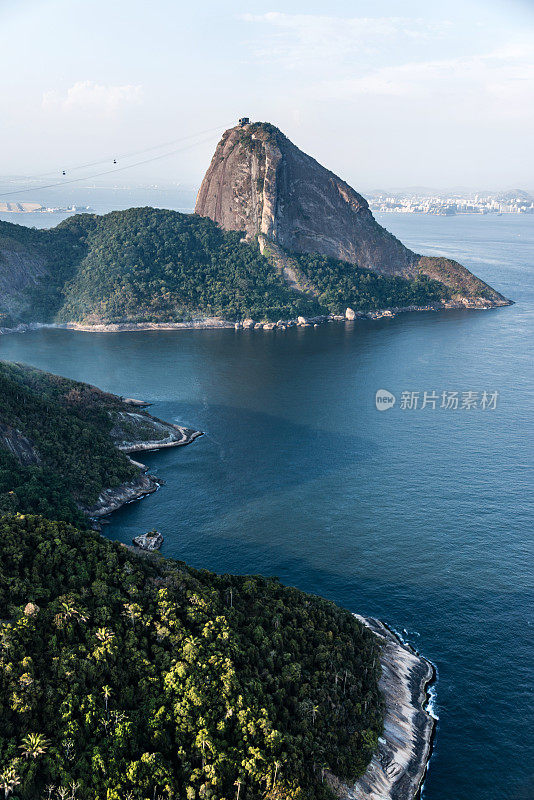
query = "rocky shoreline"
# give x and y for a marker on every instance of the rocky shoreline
(165, 434)
(212, 323)
(398, 767)
(112, 499)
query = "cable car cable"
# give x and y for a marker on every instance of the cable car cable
(107, 172)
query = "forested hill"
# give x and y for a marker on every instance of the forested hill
(122, 677)
(56, 450)
(132, 678)
(150, 265)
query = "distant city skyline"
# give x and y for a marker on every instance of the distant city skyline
(440, 96)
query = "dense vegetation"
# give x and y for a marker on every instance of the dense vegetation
(134, 678)
(61, 429)
(454, 274)
(342, 284)
(150, 265)
(55, 253)
(126, 678)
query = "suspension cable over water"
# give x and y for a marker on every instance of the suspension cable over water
(116, 169)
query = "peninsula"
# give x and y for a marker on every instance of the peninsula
(64, 446)
(178, 682)
(276, 236)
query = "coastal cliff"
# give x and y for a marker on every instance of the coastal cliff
(64, 446)
(260, 183)
(136, 432)
(398, 766)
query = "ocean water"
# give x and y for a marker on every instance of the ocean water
(100, 199)
(421, 516)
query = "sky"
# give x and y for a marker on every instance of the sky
(386, 94)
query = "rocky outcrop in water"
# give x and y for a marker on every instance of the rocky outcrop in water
(260, 183)
(149, 541)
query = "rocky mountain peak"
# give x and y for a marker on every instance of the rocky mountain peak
(260, 183)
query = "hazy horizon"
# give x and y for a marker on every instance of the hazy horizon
(437, 97)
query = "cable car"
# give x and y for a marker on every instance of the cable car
(114, 160)
(63, 172)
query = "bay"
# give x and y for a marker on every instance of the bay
(421, 517)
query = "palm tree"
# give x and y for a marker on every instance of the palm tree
(132, 611)
(68, 612)
(238, 784)
(104, 635)
(8, 781)
(106, 691)
(34, 745)
(202, 740)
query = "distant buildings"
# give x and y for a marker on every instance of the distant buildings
(508, 203)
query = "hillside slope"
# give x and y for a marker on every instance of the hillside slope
(34, 267)
(147, 265)
(63, 444)
(261, 183)
(139, 678)
(155, 265)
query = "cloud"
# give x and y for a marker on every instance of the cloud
(298, 39)
(504, 76)
(400, 57)
(93, 97)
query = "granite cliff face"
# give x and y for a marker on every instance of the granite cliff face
(21, 268)
(261, 183)
(34, 267)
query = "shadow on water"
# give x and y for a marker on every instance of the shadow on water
(250, 456)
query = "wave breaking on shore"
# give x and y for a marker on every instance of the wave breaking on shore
(398, 767)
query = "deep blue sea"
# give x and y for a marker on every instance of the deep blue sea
(421, 516)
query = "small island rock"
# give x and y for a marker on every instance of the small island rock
(149, 541)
